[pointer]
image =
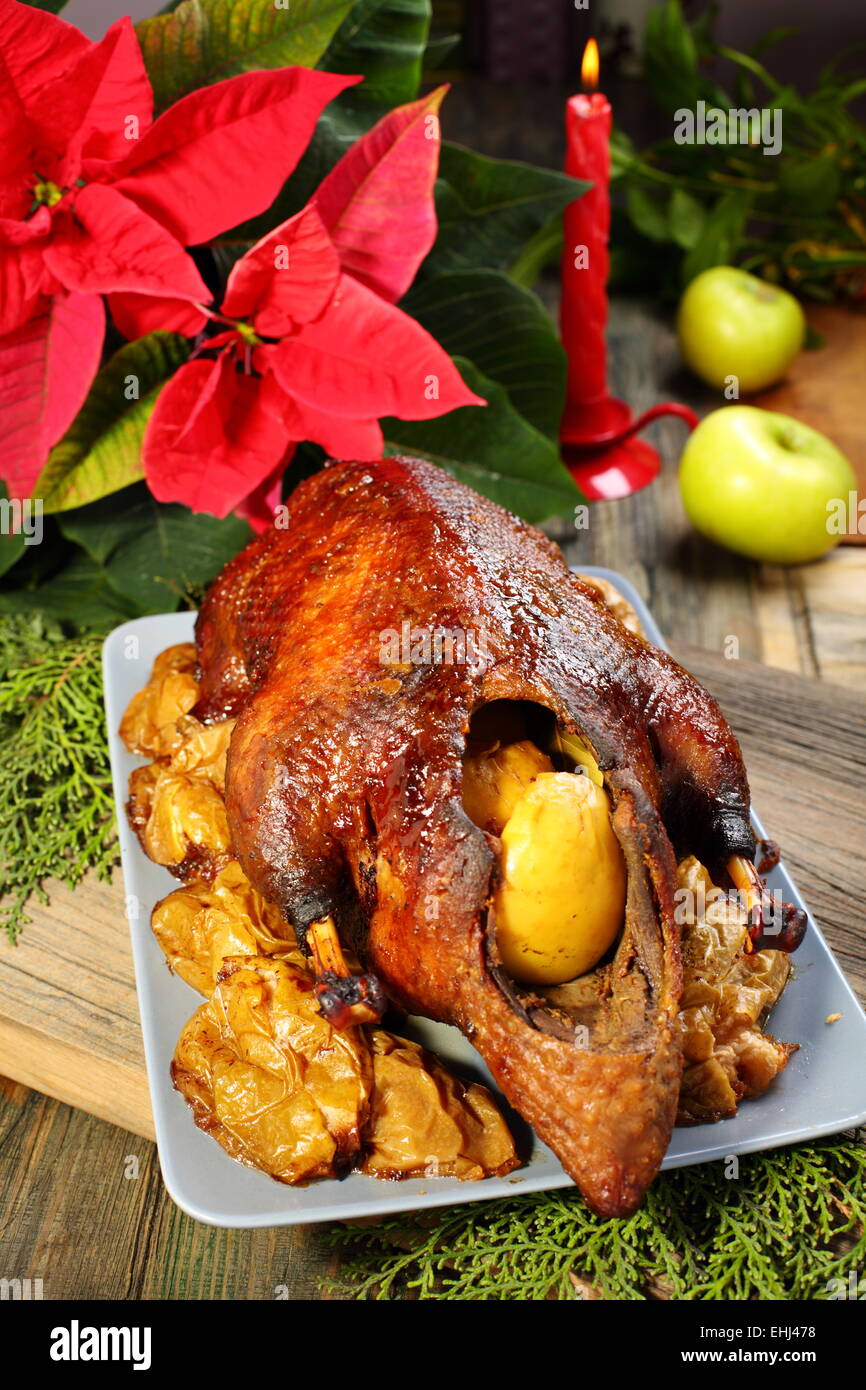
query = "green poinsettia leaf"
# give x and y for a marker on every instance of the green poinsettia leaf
(205, 41)
(489, 209)
(101, 451)
(12, 545)
(135, 556)
(102, 526)
(541, 250)
(383, 39)
(492, 449)
(386, 41)
(172, 554)
(80, 594)
(502, 328)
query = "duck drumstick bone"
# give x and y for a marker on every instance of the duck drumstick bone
(773, 925)
(344, 998)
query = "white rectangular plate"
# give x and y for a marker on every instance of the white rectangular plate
(822, 1090)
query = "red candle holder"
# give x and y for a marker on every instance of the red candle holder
(601, 449)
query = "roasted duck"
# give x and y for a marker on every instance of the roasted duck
(450, 756)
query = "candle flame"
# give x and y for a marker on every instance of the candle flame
(590, 65)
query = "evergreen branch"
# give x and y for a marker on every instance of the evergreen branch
(787, 1224)
(55, 782)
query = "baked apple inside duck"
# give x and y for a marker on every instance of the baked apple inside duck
(559, 902)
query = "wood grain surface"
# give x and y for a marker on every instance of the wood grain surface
(69, 1021)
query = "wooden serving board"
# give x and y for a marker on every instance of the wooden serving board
(68, 1010)
(825, 387)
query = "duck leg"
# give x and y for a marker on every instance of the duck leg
(706, 798)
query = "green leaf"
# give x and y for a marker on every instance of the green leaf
(137, 556)
(670, 61)
(502, 328)
(646, 213)
(102, 526)
(810, 186)
(488, 209)
(493, 449)
(52, 6)
(686, 218)
(80, 594)
(383, 39)
(540, 251)
(751, 65)
(205, 41)
(720, 235)
(852, 91)
(623, 155)
(100, 451)
(12, 545)
(386, 41)
(173, 555)
(670, 58)
(439, 47)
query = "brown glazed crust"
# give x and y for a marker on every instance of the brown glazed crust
(344, 780)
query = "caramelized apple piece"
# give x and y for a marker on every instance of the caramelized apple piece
(176, 804)
(269, 1078)
(728, 990)
(180, 821)
(281, 1090)
(149, 726)
(200, 925)
(423, 1121)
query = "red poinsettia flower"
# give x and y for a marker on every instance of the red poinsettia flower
(96, 199)
(312, 354)
(315, 349)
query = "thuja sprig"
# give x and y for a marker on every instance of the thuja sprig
(787, 1225)
(55, 783)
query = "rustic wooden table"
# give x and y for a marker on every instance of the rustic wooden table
(82, 1205)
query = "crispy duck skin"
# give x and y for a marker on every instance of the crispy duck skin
(344, 781)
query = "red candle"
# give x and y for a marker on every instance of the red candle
(585, 261)
(598, 435)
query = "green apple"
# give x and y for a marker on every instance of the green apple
(731, 323)
(760, 484)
